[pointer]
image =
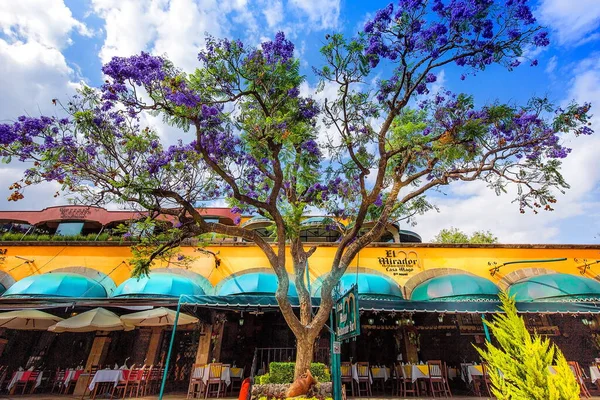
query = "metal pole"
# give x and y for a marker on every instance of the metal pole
(164, 379)
(485, 329)
(336, 378)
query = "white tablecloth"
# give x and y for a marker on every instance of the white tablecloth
(203, 373)
(474, 370)
(380, 373)
(416, 371)
(594, 373)
(355, 373)
(70, 374)
(107, 375)
(17, 376)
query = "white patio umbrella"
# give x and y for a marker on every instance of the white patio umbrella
(160, 316)
(98, 319)
(28, 320)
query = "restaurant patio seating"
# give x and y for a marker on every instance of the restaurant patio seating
(29, 380)
(404, 384)
(58, 383)
(214, 378)
(346, 373)
(129, 383)
(71, 378)
(156, 379)
(436, 379)
(364, 377)
(576, 369)
(91, 372)
(237, 377)
(483, 381)
(196, 385)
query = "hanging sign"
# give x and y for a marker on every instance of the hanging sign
(347, 321)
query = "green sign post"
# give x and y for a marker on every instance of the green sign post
(346, 324)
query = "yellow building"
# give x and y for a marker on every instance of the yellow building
(436, 291)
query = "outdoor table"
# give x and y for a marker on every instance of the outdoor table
(113, 376)
(225, 374)
(452, 373)
(237, 372)
(415, 372)
(380, 373)
(22, 376)
(594, 373)
(72, 375)
(355, 374)
(474, 370)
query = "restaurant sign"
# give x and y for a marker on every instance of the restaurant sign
(398, 262)
(347, 321)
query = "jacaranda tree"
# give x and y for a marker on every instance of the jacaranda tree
(370, 153)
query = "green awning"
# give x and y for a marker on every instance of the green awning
(158, 285)
(457, 287)
(370, 286)
(556, 287)
(56, 285)
(269, 303)
(313, 221)
(253, 283)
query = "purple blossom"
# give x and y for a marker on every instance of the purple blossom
(279, 50)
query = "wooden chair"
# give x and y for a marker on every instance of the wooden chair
(346, 373)
(214, 378)
(59, 381)
(91, 373)
(447, 380)
(364, 377)
(146, 376)
(30, 383)
(576, 369)
(196, 386)
(485, 379)
(156, 379)
(225, 383)
(128, 384)
(436, 377)
(72, 383)
(237, 380)
(404, 384)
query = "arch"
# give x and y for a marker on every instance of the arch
(158, 284)
(61, 284)
(556, 287)
(195, 277)
(456, 287)
(520, 274)
(100, 277)
(252, 281)
(371, 284)
(6, 280)
(423, 276)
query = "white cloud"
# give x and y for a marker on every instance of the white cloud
(551, 66)
(472, 206)
(322, 14)
(273, 12)
(574, 21)
(48, 22)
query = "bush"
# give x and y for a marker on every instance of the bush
(262, 379)
(319, 391)
(11, 237)
(283, 372)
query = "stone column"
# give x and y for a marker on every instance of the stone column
(96, 357)
(154, 344)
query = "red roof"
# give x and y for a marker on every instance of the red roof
(97, 214)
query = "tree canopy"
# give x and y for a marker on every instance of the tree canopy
(455, 235)
(368, 153)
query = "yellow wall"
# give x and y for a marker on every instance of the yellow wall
(237, 258)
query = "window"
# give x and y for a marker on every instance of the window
(69, 228)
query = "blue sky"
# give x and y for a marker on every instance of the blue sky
(47, 47)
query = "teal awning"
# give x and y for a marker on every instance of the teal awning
(269, 303)
(457, 287)
(556, 287)
(255, 283)
(312, 221)
(56, 285)
(158, 285)
(259, 219)
(370, 286)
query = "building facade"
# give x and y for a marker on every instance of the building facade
(420, 300)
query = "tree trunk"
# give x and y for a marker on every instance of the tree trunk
(304, 354)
